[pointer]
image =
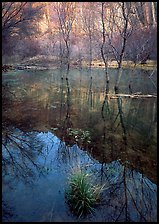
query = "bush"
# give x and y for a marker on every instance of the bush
(81, 195)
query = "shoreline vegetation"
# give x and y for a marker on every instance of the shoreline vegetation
(42, 62)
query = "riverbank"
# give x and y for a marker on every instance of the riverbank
(150, 64)
(43, 62)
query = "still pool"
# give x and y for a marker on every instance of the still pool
(51, 124)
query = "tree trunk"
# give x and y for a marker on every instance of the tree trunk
(155, 11)
(140, 12)
(151, 19)
(105, 60)
(124, 38)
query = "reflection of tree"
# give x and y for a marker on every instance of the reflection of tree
(67, 123)
(61, 97)
(7, 211)
(63, 153)
(19, 154)
(151, 77)
(90, 92)
(105, 106)
(129, 195)
(18, 150)
(120, 113)
(135, 121)
(6, 93)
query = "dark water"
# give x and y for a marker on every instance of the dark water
(52, 124)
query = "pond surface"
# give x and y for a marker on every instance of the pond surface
(52, 124)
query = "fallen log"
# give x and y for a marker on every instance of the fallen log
(132, 96)
(6, 68)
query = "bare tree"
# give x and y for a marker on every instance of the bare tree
(12, 14)
(19, 16)
(118, 26)
(118, 34)
(125, 33)
(104, 56)
(88, 18)
(66, 17)
(155, 11)
(142, 45)
(18, 22)
(140, 10)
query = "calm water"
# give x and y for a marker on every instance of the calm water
(51, 124)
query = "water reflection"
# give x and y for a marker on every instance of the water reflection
(80, 111)
(123, 128)
(132, 137)
(19, 155)
(128, 195)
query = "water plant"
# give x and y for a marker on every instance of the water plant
(82, 195)
(80, 136)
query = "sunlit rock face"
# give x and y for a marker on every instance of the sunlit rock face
(36, 167)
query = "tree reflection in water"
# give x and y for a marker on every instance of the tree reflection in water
(128, 195)
(131, 196)
(19, 153)
(111, 158)
(126, 136)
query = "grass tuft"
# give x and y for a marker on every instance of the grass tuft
(81, 195)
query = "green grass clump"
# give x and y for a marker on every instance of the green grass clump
(81, 194)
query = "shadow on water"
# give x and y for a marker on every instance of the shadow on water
(64, 122)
